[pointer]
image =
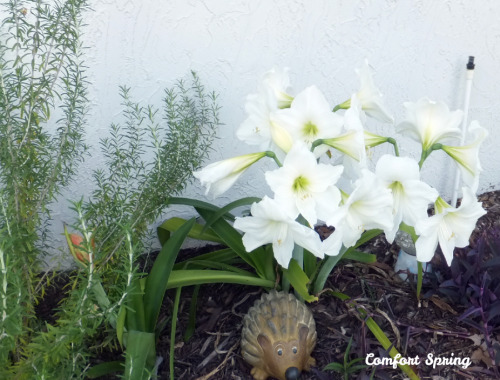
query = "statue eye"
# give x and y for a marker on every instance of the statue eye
(294, 350)
(279, 351)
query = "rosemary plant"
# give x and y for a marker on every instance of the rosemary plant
(41, 74)
(148, 158)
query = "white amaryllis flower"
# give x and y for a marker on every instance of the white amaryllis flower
(274, 93)
(221, 175)
(281, 137)
(372, 139)
(305, 186)
(450, 227)
(368, 207)
(430, 122)
(277, 83)
(256, 129)
(352, 142)
(411, 196)
(270, 222)
(309, 118)
(370, 96)
(467, 156)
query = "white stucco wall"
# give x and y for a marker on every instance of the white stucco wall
(418, 48)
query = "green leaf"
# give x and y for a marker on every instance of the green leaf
(379, 335)
(354, 361)
(259, 258)
(226, 256)
(229, 207)
(346, 353)
(360, 256)
(194, 203)
(192, 314)
(198, 231)
(140, 355)
(340, 296)
(194, 277)
(356, 368)
(163, 234)
(135, 318)
(334, 367)
(100, 295)
(330, 263)
(104, 369)
(264, 259)
(409, 230)
(215, 265)
(366, 237)
(232, 239)
(173, 329)
(158, 278)
(120, 323)
(386, 343)
(310, 263)
(299, 280)
(325, 270)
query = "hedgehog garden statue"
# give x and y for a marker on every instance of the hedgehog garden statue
(279, 334)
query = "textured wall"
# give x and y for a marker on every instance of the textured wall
(418, 48)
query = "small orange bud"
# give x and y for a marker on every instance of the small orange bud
(74, 242)
(80, 255)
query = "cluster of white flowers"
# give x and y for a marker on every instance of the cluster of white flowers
(303, 130)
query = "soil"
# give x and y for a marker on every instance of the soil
(415, 327)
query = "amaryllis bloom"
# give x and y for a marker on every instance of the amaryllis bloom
(256, 129)
(372, 139)
(351, 142)
(274, 93)
(411, 196)
(221, 175)
(270, 222)
(450, 227)
(430, 122)
(277, 83)
(467, 156)
(309, 118)
(368, 207)
(370, 96)
(305, 186)
(281, 137)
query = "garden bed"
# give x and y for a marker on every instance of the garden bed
(415, 328)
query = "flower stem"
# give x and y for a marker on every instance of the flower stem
(272, 155)
(423, 157)
(395, 145)
(420, 276)
(316, 143)
(427, 152)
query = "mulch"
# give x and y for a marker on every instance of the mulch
(415, 327)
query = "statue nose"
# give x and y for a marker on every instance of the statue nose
(292, 373)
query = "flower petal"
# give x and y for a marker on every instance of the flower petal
(220, 176)
(430, 122)
(451, 227)
(467, 156)
(370, 97)
(301, 181)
